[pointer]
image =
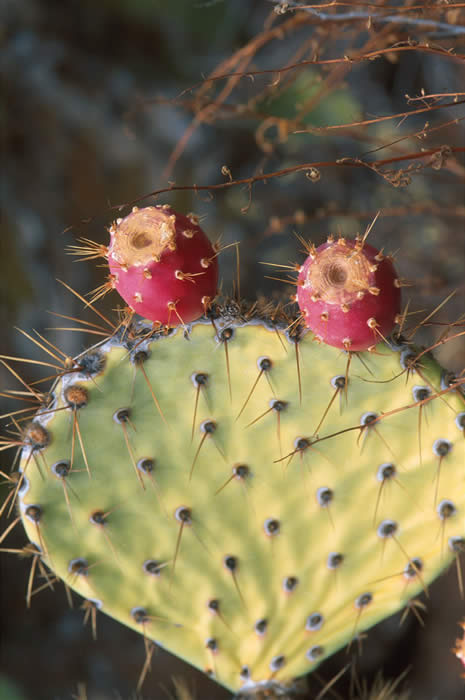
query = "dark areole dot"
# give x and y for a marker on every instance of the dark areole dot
(448, 379)
(277, 662)
(446, 509)
(61, 468)
(264, 364)
(122, 415)
(208, 426)
(34, 513)
(213, 605)
(139, 615)
(212, 644)
(290, 583)
(200, 379)
(314, 622)
(139, 357)
(79, 567)
(260, 626)
(413, 568)
(245, 673)
(183, 514)
(421, 393)
(272, 527)
(153, 567)
(386, 471)
(98, 518)
(242, 471)
(363, 600)
(442, 447)
(387, 528)
(335, 559)
(146, 465)
(368, 418)
(408, 360)
(457, 544)
(231, 563)
(338, 382)
(324, 496)
(302, 443)
(226, 334)
(315, 653)
(278, 405)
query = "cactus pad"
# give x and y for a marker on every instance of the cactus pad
(237, 496)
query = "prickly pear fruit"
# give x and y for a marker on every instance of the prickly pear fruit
(163, 265)
(239, 496)
(349, 294)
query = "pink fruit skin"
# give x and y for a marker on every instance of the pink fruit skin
(149, 287)
(351, 324)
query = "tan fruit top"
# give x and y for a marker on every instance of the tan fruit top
(340, 274)
(142, 236)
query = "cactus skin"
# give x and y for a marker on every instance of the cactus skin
(163, 265)
(255, 575)
(349, 294)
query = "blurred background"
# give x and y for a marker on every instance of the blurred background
(105, 102)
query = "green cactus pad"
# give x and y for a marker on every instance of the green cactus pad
(222, 492)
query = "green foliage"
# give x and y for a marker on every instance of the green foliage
(291, 102)
(9, 690)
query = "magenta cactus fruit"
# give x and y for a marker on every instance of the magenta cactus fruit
(163, 265)
(349, 294)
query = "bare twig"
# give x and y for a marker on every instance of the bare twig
(436, 153)
(442, 29)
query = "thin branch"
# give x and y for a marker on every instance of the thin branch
(376, 120)
(263, 177)
(440, 7)
(444, 28)
(409, 45)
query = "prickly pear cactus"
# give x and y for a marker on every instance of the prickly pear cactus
(247, 499)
